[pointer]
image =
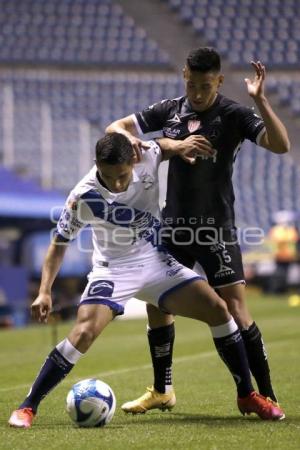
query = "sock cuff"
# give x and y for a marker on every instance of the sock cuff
(162, 333)
(68, 351)
(252, 333)
(225, 329)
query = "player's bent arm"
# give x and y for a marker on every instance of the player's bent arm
(41, 307)
(125, 126)
(275, 137)
(187, 149)
(169, 147)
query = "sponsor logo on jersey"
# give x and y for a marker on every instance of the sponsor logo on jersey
(101, 288)
(176, 118)
(171, 132)
(211, 158)
(216, 247)
(216, 120)
(193, 125)
(224, 270)
(174, 265)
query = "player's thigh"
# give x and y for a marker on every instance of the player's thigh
(197, 300)
(235, 297)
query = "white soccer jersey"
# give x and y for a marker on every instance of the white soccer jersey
(124, 224)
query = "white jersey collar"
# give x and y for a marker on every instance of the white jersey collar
(113, 196)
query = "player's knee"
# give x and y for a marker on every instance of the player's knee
(221, 308)
(85, 336)
(217, 312)
(157, 318)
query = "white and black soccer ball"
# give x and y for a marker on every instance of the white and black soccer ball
(91, 403)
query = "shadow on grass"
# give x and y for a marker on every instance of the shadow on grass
(204, 419)
(161, 419)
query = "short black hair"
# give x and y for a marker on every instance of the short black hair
(114, 148)
(204, 59)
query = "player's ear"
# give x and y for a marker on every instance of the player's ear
(221, 79)
(184, 72)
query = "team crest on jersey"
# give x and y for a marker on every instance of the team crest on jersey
(193, 125)
(147, 181)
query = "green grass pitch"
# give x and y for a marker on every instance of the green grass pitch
(205, 417)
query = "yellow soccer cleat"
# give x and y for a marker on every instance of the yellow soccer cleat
(152, 399)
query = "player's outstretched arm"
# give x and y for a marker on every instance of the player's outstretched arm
(127, 126)
(275, 137)
(42, 305)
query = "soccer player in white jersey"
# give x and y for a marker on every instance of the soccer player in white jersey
(119, 199)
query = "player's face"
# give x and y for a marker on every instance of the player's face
(201, 88)
(116, 177)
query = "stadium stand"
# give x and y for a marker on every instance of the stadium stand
(73, 108)
(247, 29)
(98, 100)
(288, 92)
(70, 67)
(264, 183)
(71, 99)
(93, 32)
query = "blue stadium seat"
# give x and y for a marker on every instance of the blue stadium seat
(100, 100)
(75, 32)
(261, 23)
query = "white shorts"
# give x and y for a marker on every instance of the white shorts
(151, 280)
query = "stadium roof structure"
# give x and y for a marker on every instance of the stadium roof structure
(22, 198)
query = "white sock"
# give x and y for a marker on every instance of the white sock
(168, 388)
(68, 351)
(225, 329)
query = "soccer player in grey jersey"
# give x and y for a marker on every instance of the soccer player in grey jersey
(200, 196)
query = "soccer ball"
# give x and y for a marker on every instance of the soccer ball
(91, 403)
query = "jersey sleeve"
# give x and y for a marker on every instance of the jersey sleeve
(252, 126)
(153, 155)
(153, 117)
(75, 216)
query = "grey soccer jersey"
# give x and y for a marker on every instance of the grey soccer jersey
(202, 194)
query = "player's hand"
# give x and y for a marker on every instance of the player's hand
(256, 86)
(41, 307)
(194, 146)
(138, 145)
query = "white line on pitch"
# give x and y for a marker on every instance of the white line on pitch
(108, 373)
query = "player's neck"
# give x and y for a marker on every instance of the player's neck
(213, 101)
(101, 181)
